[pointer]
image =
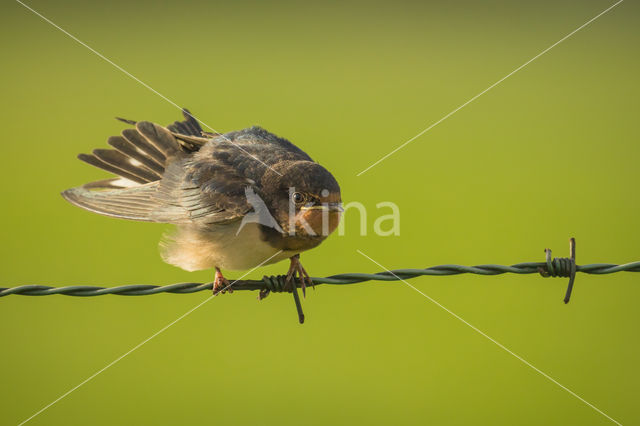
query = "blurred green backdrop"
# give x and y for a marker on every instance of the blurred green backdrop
(550, 153)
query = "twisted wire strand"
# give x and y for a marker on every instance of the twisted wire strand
(559, 268)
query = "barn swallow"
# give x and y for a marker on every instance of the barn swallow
(237, 198)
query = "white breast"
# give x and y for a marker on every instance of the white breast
(194, 249)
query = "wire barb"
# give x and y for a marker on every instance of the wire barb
(561, 267)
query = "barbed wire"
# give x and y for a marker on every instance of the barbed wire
(558, 267)
(276, 283)
(552, 267)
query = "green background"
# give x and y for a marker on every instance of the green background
(550, 153)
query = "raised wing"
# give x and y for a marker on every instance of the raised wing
(178, 198)
(161, 180)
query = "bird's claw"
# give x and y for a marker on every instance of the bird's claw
(296, 270)
(220, 284)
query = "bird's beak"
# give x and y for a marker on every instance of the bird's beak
(331, 207)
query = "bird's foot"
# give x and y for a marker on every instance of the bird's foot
(296, 270)
(220, 283)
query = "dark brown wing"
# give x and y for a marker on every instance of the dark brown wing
(178, 198)
(160, 181)
(140, 154)
(188, 132)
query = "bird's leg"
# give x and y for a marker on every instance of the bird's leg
(296, 269)
(220, 283)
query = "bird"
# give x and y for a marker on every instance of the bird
(239, 200)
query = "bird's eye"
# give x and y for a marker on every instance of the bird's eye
(297, 197)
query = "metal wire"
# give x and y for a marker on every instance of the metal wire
(558, 267)
(276, 283)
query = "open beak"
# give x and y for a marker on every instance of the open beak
(332, 207)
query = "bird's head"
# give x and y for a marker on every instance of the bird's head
(304, 198)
